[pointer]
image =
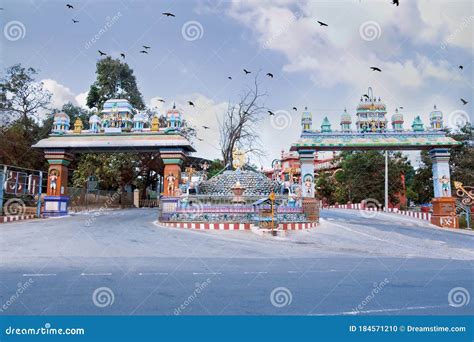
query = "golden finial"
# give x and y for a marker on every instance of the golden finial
(78, 126)
(155, 124)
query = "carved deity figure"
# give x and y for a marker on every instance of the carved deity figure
(53, 182)
(171, 183)
(308, 185)
(444, 186)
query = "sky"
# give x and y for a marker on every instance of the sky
(419, 46)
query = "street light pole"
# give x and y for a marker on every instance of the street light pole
(386, 181)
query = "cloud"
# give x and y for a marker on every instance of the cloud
(60, 93)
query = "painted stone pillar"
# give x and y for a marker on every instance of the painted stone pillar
(307, 173)
(444, 205)
(173, 160)
(310, 204)
(56, 199)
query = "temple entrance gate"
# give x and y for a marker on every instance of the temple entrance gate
(119, 129)
(372, 133)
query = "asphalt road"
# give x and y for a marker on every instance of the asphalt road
(120, 263)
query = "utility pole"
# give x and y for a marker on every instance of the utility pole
(386, 181)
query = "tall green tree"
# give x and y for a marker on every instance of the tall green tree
(112, 73)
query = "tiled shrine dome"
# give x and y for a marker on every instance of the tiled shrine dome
(255, 183)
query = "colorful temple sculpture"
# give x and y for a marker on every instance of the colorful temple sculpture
(373, 133)
(118, 128)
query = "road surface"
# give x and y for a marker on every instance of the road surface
(120, 262)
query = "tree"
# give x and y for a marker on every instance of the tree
(462, 157)
(22, 97)
(21, 100)
(423, 180)
(239, 125)
(110, 74)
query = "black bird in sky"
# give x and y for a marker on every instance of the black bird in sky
(229, 77)
(146, 47)
(461, 67)
(168, 14)
(102, 53)
(269, 74)
(246, 72)
(161, 100)
(270, 113)
(200, 139)
(395, 2)
(75, 21)
(190, 103)
(144, 51)
(464, 102)
(205, 127)
(322, 24)
(366, 96)
(376, 69)
(400, 107)
(122, 55)
(69, 6)
(295, 109)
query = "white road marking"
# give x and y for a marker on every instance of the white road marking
(255, 272)
(409, 308)
(38, 274)
(152, 273)
(206, 273)
(96, 274)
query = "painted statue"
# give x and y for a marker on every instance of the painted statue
(444, 186)
(53, 182)
(238, 158)
(171, 183)
(308, 185)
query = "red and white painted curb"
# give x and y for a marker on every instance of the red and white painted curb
(357, 206)
(6, 219)
(234, 226)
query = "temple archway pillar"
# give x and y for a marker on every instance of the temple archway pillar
(444, 205)
(56, 200)
(173, 160)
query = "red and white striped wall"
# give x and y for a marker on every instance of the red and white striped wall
(6, 219)
(235, 226)
(357, 206)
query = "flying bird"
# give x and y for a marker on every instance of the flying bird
(190, 103)
(246, 72)
(146, 47)
(461, 67)
(400, 107)
(205, 127)
(295, 109)
(376, 69)
(366, 96)
(102, 53)
(161, 100)
(69, 6)
(144, 51)
(322, 24)
(200, 139)
(168, 14)
(464, 102)
(395, 2)
(75, 21)
(122, 55)
(229, 77)
(269, 74)
(270, 113)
